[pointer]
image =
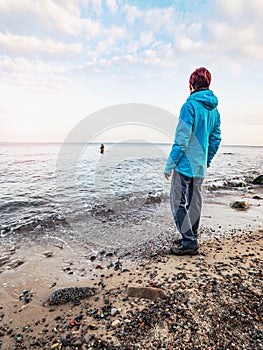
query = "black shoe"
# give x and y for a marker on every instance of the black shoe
(183, 251)
(178, 241)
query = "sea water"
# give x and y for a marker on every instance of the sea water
(45, 185)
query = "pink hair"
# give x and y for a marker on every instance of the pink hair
(200, 78)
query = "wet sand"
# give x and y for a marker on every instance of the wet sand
(213, 300)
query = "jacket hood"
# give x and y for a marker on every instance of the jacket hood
(205, 97)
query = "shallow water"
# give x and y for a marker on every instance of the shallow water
(49, 185)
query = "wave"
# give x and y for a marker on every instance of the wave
(217, 184)
(127, 206)
(33, 223)
(14, 205)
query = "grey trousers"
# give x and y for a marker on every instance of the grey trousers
(186, 206)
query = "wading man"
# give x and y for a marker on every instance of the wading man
(197, 139)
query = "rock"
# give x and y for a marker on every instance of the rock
(146, 292)
(48, 254)
(2, 333)
(115, 323)
(19, 338)
(65, 295)
(257, 197)
(117, 265)
(15, 264)
(113, 311)
(240, 205)
(258, 180)
(4, 260)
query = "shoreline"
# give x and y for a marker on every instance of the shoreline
(213, 300)
(226, 272)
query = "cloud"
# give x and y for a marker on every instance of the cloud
(111, 36)
(47, 18)
(33, 74)
(112, 5)
(117, 37)
(30, 46)
(236, 32)
(97, 7)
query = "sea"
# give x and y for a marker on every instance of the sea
(48, 186)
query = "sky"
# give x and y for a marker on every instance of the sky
(62, 60)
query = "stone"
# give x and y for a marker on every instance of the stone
(71, 294)
(240, 205)
(4, 260)
(113, 311)
(257, 197)
(258, 180)
(146, 293)
(15, 263)
(115, 323)
(48, 254)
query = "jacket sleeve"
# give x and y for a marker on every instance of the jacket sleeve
(182, 137)
(214, 141)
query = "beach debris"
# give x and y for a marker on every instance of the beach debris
(258, 180)
(146, 292)
(243, 205)
(71, 294)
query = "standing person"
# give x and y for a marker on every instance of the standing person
(197, 139)
(102, 148)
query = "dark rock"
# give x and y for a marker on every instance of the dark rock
(117, 265)
(19, 338)
(48, 254)
(65, 295)
(258, 180)
(146, 292)
(257, 197)
(240, 205)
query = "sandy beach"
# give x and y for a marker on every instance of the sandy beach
(209, 301)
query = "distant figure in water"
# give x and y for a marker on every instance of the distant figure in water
(102, 148)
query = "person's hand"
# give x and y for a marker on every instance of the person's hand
(167, 176)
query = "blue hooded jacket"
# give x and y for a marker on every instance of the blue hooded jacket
(197, 136)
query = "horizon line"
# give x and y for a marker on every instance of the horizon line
(109, 142)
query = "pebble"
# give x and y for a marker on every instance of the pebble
(115, 323)
(113, 311)
(15, 263)
(242, 205)
(48, 254)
